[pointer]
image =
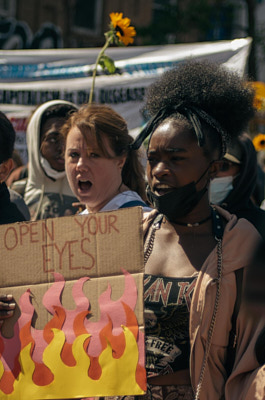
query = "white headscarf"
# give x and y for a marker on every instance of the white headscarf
(38, 180)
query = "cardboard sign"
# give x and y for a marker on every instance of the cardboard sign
(78, 325)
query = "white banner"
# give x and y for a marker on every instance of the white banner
(31, 77)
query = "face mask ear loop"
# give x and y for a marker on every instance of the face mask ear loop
(204, 173)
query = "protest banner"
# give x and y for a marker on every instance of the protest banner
(31, 77)
(77, 330)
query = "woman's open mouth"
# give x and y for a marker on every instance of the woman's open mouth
(84, 185)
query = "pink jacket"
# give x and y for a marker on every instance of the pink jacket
(247, 380)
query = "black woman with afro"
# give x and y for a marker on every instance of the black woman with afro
(200, 340)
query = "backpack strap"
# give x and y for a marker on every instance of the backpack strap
(133, 203)
(231, 349)
(218, 230)
(218, 226)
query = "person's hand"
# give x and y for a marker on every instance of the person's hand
(80, 206)
(7, 307)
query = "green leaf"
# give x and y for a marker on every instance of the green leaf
(107, 63)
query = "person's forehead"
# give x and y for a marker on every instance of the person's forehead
(52, 123)
(171, 136)
(87, 140)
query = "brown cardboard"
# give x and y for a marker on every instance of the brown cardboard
(98, 246)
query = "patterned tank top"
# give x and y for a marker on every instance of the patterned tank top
(167, 308)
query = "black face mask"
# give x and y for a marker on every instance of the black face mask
(178, 202)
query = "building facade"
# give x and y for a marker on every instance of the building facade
(33, 24)
(64, 23)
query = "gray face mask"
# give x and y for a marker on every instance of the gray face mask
(220, 188)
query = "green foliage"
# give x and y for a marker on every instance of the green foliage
(107, 63)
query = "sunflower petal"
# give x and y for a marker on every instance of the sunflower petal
(259, 142)
(123, 30)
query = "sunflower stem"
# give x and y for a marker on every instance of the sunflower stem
(106, 45)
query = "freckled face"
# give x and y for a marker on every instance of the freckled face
(174, 158)
(93, 178)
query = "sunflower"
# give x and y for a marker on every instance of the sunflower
(259, 142)
(259, 103)
(122, 28)
(259, 99)
(120, 33)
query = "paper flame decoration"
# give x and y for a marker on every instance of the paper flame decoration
(72, 356)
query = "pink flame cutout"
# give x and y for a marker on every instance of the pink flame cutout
(109, 311)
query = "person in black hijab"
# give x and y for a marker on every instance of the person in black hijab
(234, 185)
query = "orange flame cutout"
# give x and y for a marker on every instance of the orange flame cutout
(103, 358)
(8, 377)
(56, 322)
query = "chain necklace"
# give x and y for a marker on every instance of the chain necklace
(218, 235)
(194, 224)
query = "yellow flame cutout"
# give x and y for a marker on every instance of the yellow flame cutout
(73, 381)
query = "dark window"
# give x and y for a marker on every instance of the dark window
(222, 18)
(85, 11)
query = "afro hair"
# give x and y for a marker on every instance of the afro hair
(221, 93)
